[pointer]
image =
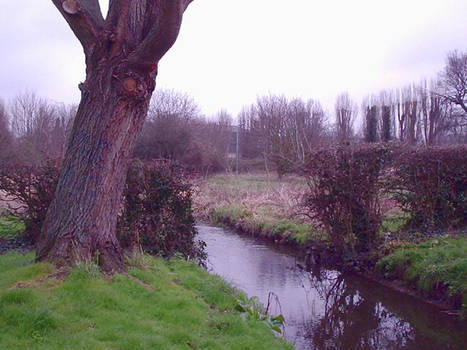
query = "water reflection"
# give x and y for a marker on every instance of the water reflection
(361, 315)
(352, 321)
(325, 309)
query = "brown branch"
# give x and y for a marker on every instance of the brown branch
(162, 35)
(117, 24)
(84, 18)
(457, 100)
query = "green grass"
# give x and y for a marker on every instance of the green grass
(258, 204)
(394, 223)
(234, 212)
(437, 261)
(10, 226)
(267, 225)
(165, 305)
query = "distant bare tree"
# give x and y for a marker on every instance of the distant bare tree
(282, 130)
(30, 114)
(166, 103)
(386, 127)
(387, 115)
(270, 113)
(5, 135)
(249, 133)
(411, 111)
(217, 140)
(399, 111)
(371, 124)
(4, 123)
(224, 118)
(175, 130)
(346, 111)
(303, 128)
(39, 127)
(433, 113)
(454, 79)
(166, 132)
(452, 88)
(289, 129)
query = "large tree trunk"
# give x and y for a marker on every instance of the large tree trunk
(122, 52)
(81, 220)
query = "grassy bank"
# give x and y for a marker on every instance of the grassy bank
(269, 207)
(257, 204)
(437, 267)
(156, 305)
(10, 226)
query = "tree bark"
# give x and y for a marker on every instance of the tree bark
(81, 220)
(122, 53)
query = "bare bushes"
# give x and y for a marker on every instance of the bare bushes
(156, 213)
(176, 130)
(39, 127)
(431, 185)
(30, 190)
(344, 186)
(347, 184)
(282, 131)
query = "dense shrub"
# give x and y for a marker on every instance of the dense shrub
(30, 190)
(431, 185)
(156, 212)
(344, 186)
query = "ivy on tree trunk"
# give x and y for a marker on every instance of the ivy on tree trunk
(122, 53)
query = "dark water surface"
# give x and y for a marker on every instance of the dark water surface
(325, 309)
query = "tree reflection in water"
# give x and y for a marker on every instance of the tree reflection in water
(325, 310)
(352, 320)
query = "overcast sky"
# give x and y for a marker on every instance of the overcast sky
(231, 51)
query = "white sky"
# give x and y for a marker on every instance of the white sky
(231, 51)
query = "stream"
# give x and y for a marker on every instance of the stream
(325, 309)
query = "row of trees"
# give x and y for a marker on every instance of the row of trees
(429, 113)
(284, 130)
(33, 130)
(279, 130)
(417, 114)
(175, 129)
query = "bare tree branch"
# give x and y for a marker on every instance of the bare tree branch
(117, 24)
(84, 18)
(162, 35)
(454, 78)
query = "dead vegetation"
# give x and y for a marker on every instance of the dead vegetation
(257, 194)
